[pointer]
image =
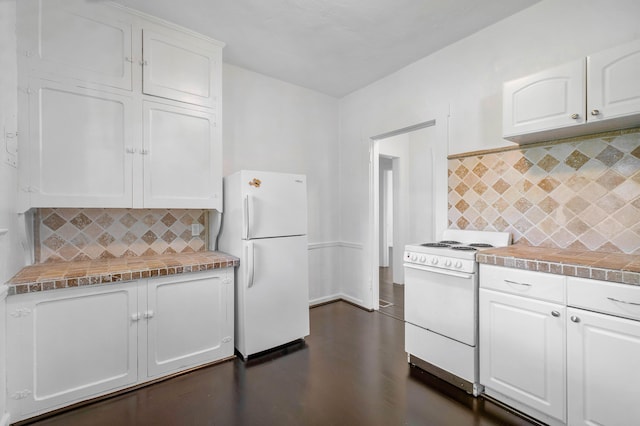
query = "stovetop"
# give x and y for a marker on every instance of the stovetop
(457, 251)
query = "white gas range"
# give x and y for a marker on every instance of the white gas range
(441, 304)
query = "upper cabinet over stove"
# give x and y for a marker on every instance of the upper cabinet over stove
(117, 109)
(582, 97)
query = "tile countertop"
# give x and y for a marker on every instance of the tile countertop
(55, 275)
(614, 267)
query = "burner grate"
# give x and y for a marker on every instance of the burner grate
(464, 248)
(450, 243)
(480, 245)
(438, 245)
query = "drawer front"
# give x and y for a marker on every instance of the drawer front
(537, 285)
(611, 298)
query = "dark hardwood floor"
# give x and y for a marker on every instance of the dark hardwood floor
(392, 293)
(351, 370)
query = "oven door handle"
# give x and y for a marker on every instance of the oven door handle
(438, 271)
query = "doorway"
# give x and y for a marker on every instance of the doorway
(408, 194)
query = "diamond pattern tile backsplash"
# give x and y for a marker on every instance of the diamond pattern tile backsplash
(84, 234)
(581, 194)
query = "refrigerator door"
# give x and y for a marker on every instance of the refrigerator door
(274, 204)
(273, 294)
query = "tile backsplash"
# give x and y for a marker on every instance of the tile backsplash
(88, 234)
(580, 194)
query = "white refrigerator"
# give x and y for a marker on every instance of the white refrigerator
(265, 225)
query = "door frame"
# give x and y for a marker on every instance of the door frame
(441, 122)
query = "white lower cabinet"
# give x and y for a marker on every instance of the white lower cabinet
(66, 346)
(563, 357)
(603, 349)
(603, 376)
(522, 351)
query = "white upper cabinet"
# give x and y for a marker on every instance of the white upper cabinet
(182, 162)
(577, 98)
(184, 69)
(79, 152)
(614, 82)
(550, 99)
(117, 109)
(83, 41)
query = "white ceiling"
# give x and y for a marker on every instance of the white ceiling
(332, 46)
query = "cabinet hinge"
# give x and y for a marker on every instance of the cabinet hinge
(26, 90)
(226, 339)
(227, 281)
(21, 394)
(29, 189)
(20, 312)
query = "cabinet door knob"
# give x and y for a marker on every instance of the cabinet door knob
(595, 112)
(575, 116)
(148, 314)
(135, 317)
(575, 318)
(555, 314)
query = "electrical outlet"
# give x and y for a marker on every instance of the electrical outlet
(195, 229)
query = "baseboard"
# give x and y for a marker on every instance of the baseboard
(324, 300)
(5, 420)
(337, 298)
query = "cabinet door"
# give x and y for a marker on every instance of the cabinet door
(182, 161)
(613, 84)
(190, 320)
(522, 350)
(603, 353)
(550, 99)
(69, 345)
(180, 67)
(85, 41)
(79, 141)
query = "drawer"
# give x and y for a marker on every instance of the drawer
(601, 296)
(537, 285)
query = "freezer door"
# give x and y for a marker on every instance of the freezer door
(274, 204)
(275, 294)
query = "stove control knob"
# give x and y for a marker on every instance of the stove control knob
(423, 259)
(458, 264)
(434, 261)
(447, 263)
(414, 257)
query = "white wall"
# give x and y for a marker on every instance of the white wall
(276, 126)
(10, 254)
(466, 77)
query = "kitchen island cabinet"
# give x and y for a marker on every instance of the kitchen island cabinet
(69, 345)
(107, 96)
(601, 93)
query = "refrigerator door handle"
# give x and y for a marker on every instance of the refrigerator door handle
(245, 218)
(250, 264)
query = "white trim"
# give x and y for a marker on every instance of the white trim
(332, 244)
(355, 301)
(326, 299)
(5, 420)
(373, 261)
(356, 246)
(165, 23)
(327, 244)
(404, 130)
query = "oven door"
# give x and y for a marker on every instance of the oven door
(442, 301)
